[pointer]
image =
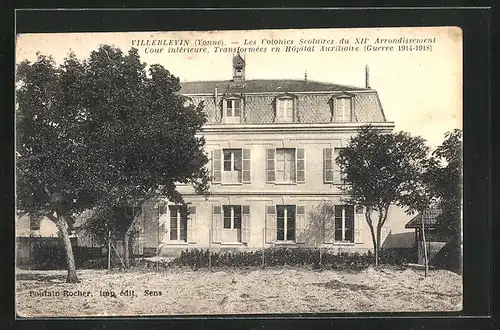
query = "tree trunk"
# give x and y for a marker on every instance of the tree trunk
(126, 243)
(379, 229)
(63, 229)
(374, 241)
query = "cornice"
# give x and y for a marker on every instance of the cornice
(292, 128)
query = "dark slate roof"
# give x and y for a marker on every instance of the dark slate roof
(262, 86)
(399, 240)
(430, 218)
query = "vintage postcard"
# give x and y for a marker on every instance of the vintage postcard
(238, 172)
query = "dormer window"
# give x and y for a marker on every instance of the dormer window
(342, 109)
(232, 110)
(285, 110)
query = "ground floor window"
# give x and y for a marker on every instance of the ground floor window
(232, 216)
(178, 223)
(285, 228)
(344, 223)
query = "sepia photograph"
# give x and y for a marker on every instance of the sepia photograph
(238, 172)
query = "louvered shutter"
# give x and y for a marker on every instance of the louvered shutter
(217, 166)
(270, 224)
(329, 223)
(191, 225)
(247, 171)
(301, 165)
(358, 224)
(328, 165)
(270, 165)
(216, 223)
(300, 227)
(245, 223)
(336, 167)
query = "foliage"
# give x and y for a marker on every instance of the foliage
(297, 257)
(381, 170)
(103, 133)
(444, 179)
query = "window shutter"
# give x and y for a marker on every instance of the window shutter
(216, 223)
(270, 167)
(217, 166)
(336, 168)
(223, 111)
(270, 224)
(300, 224)
(358, 227)
(301, 165)
(245, 223)
(328, 165)
(191, 225)
(247, 171)
(329, 223)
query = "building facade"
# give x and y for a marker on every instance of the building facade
(272, 146)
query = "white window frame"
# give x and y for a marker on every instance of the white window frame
(232, 176)
(293, 163)
(232, 118)
(341, 112)
(344, 228)
(178, 219)
(282, 102)
(232, 216)
(285, 225)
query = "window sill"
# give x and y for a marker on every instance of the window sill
(232, 243)
(285, 243)
(340, 244)
(285, 183)
(176, 243)
(231, 183)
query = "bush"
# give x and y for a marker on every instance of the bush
(296, 257)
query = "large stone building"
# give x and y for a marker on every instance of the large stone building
(272, 145)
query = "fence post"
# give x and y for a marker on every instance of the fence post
(109, 250)
(320, 258)
(210, 232)
(263, 240)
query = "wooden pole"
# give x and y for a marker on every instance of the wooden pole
(210, 250)
(320, 258)
(425, 246)
(109, 250)
(263, 239)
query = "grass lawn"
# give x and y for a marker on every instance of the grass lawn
(181, 291)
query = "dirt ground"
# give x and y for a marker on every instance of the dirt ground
(235, 291)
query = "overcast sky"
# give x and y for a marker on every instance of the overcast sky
(421, 91)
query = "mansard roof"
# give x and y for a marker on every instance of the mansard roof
(263, 86)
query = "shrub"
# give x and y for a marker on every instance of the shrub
(296, 257)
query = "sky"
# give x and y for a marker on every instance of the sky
(420, 90)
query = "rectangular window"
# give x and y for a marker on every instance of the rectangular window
(344, 223)
(232, 216)
(178, 223)
(285, 165)
(284, 111)
(285, 222)
(232, 166)
(232, 110)
(343, 109)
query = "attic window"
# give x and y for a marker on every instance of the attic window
(285, 107)
(232, 110)
(342, 109)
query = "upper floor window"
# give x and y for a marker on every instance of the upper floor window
(231, 166)
(285, 165)
(342, 109)
(232, 110)
(285, 110)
